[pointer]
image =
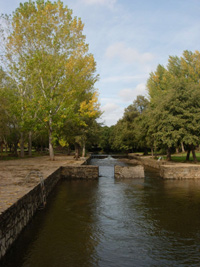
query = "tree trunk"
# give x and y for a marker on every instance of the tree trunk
(68, 150)
(177, 150)
(15, 149)
(51, 151)
(168, 153)
(30, 144)
(1, 149)
(5, 145)
(76, 151)
(182, 147)
(188, 155)
(145, 151)
(6, 148)
(83, 149)
(22, 145)
(194, 155)
(152, 152)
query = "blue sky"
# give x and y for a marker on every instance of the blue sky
(129, 38)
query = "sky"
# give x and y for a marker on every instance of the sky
(128, 39)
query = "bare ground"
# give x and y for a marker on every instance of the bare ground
(13, 173)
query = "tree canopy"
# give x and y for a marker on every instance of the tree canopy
(51, 70)
(170, 118)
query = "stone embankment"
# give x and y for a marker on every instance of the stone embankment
(21, 195)
(79, 172)
(180, 171)
(169, 170)
(131, 172)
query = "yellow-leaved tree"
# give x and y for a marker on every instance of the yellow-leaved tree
(48, 59)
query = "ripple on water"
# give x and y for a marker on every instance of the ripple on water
(144, 222)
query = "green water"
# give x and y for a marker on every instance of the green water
(143, 222)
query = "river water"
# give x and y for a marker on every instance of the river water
(141, 222)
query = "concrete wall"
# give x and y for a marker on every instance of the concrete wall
(84, 172)
(184, 171)
(123, 172)
(15, 218)
(148, 161)
(152, 163)
(169, 170)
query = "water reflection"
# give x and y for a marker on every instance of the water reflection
(64, 234)
(168, 219)
(140, 222)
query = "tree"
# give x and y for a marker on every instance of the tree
(175, 109)
(9, 124)
(126, 134)
(142, 124)
(157, 83)
(104, 142)
(89, 111)
(49, 61)
(82, 125)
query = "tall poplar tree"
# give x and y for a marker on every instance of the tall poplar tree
(48, 58)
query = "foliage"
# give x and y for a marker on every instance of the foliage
(53, 74)
(124, 135)
(170, 118)
(176, 106)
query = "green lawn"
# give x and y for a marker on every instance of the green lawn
(182, 157)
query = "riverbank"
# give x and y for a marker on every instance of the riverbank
(167, 169)
(13, 184)
(24, 186)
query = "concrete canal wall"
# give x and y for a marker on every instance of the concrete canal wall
(147, 161)
(180, 172)
(170, 170)
(83, 172)
(131, 172)
(17, 216)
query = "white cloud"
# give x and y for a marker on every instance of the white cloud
(114, 100)
(129, 78)
(127, 54)
(112, 113)
(110, 107)
(108, 3)
(128, 95)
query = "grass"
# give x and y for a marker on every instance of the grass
(182, 157)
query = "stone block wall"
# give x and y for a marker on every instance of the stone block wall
(123, 172)
(152, 163)
(168, 170)
(180, 172)
(15, 218)
(84, 172)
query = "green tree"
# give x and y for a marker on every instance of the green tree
(49, 61)
(126, 135)
(157, 83)
(175, 109)
(104, 142)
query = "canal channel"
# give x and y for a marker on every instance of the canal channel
(140, 222)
